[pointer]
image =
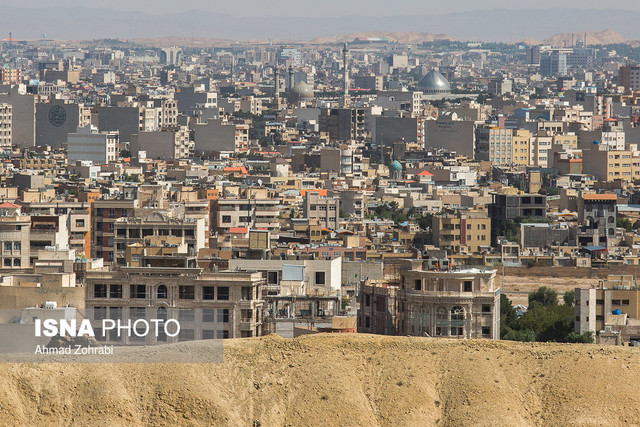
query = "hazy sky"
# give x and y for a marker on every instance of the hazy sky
(321, 8)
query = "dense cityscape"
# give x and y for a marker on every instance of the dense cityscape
(419, 186)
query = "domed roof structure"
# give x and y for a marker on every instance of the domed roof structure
(434, 83)
(300, 91)
(395, 166)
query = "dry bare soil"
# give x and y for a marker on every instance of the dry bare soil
(338, 380)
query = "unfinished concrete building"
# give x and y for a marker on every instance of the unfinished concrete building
(461, 303)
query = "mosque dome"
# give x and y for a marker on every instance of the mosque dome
(395, 166)
(434, 83)
(301, 90)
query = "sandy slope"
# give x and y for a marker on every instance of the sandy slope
(351, 380)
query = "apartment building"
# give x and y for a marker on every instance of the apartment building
(597, 214)
(462, 232)
(246, 213)
(608, 166)
(321, 210)
(166, 144)
(295, 277)
(104, 214)
(6, 126)
(15, 247)
(87, 143)
(143, 223)
(207, 305)
(461, 303)
(611, 310)
(343, 124)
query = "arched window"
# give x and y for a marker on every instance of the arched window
(611, 220)
(162, 292)
(424, 321)
(162, 313)
(457, 321)
(442, 321)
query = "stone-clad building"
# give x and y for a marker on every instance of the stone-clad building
(461, 303)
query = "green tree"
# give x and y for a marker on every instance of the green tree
(585, 337)
(569, 298)
(508, 316)
(624, 223)
(342, 213)
(544, 296)
(426, 221)
(516, 335)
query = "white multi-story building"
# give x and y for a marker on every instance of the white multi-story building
(87, 143)
(6, 118)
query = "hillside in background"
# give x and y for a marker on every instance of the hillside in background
(341, 379)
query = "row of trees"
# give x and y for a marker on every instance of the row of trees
(545, 319)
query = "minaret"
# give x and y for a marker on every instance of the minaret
(290, 77)
(345, 59)
(276, 77)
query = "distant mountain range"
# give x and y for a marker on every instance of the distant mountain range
(487, 25)
(592, 37)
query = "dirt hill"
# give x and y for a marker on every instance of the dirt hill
(351, 380)
(402, 38)
(593, 38)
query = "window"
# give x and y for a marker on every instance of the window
(226, 218)
(223, 293)
(208, 292)
(442, 321)
(615, 302)
(367, 300)
(223, 334)
(486, 331)
(115, 313)
(99, 313)
(367, 322)
(247, 294)
(223, 315)
(187, 292)
(138, 291)
(468, 285)
(625, 302)
(7, 262)
(162, 292)
(99, 291)
(115, 291)
(320, 278)
(207, 334)
(137, 313)
(418, 284)
(272, 277)
(208, 315)
(17, 246)
(16, 262)
(457, 321)
(7, 246)
(486, 308)
(186, 315)
(79, 222)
